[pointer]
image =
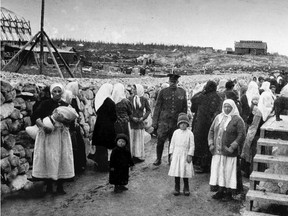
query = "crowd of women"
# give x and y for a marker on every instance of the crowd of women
(227, 115)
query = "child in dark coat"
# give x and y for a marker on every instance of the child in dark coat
(120, 161)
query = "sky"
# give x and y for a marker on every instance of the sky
(205, 23)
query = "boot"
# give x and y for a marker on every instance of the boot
(177, 186)
(159, 150)
(186, 191)
(49, 187)
(60, 189)
(117, 189)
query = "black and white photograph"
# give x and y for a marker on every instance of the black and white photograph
(144, 107)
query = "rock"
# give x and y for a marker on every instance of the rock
(19, 182)
(23, 166)
(5, 165)
(27, 121)
(2, 99)
(30, 87)
(16, 126)
(13, 160)
(9, 141)
(29, 155)
(16, 114)
(4, 153)
(5, 189)
(22, 138)
(6, 110)
(29, 106)
(7, 91)
(28, 186)
(19, 103)
(19, 151)
(86, 129)
(24, 113)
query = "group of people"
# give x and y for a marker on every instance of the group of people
(221, 138)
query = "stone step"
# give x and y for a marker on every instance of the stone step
(261, 176)
(270, 159)
(251, 213)
(272, 142)
(254, 195)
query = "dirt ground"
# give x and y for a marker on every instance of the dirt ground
(150, 193)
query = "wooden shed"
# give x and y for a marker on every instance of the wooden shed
(250, 47)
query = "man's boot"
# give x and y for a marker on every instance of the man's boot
(186, 191)
(159, 150)
(177, 186)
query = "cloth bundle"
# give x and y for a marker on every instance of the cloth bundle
(64, 114)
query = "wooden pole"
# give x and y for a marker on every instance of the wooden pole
(41, 37)
(19, 52)
(76, 66)
(61, 58)
(25, 57)
(53, 58)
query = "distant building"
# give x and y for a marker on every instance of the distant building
(251, 47)
(229, 50)
(209, 50)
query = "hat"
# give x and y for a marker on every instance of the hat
(122, 136)
(173, 77)
(182, 117)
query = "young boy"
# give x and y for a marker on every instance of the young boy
(120, 161)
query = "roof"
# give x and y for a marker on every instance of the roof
(45, 49)
(14, 27)
(251, 44)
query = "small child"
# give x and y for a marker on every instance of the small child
(120, 161)
(181, 151)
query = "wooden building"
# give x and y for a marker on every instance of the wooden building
(250, 47)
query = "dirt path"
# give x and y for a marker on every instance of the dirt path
(150, 193)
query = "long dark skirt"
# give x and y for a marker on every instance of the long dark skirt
(79, 152)
(101, 159)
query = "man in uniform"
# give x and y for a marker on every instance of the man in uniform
(170, 102)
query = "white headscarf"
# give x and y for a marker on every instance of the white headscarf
(54, 85)
(104, 92)
(139, 93)
(118, 93)
(252, 91)
(221, 86)
(265, 104)
(73, 87)
(284, 91)
(67, 96)
(266, 86)
(233, 112)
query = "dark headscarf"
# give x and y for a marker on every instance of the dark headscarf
(210, 86)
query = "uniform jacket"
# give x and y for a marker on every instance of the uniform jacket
(170, 102)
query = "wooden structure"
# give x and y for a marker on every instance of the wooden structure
(14, 29)
(41, 37)
(250, 47)
(267, 141)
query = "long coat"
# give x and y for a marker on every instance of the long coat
(209, 105)
(104, 131)
(120, 161)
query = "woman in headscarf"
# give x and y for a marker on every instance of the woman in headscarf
(226, 135)
(104, 131)
(78, 143)
(221, 88)
(208, 106)
(250, 143)
(140, 112)
(53, 156)
(123, 110)
(246, 102)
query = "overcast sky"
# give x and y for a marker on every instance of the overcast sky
(215, 23)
